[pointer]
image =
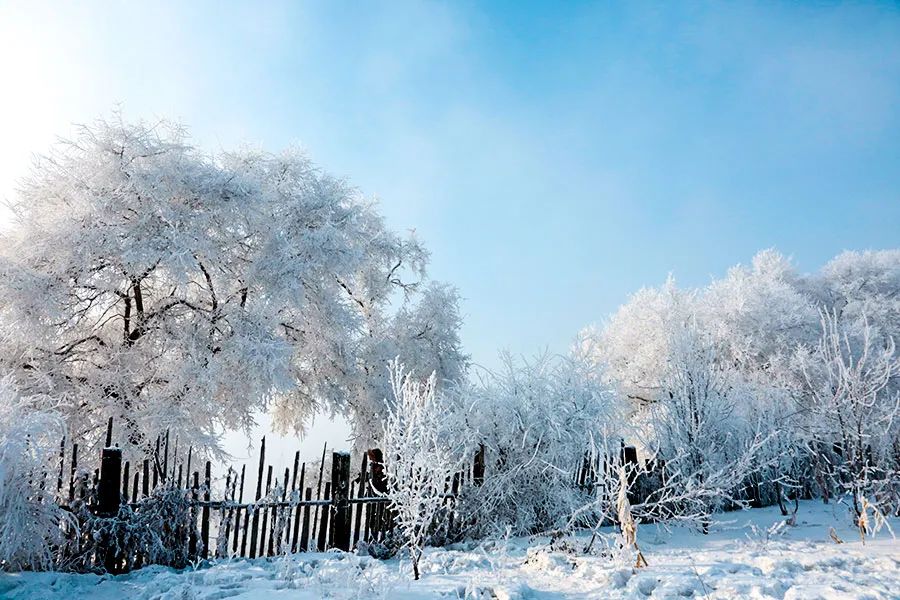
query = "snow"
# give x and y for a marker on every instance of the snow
(744, 556)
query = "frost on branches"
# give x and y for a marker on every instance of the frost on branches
(853, 416)
(422, 454)
(747, 364)
(170, 289)
(536, 421)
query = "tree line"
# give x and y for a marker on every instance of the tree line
(180, 291)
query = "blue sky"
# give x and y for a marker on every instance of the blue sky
(555, 157)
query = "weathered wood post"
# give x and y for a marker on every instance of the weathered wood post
(376, 463)
(259, 478)
(478, 466)
(340, 505)
(294, 544)
(630, 460)
(237, 514)
(304, 534)
(204, 522)
(109, 498)
(322, 544)
(360, 494)
(73, 470)
(192, 537)
(109, 487)
(379, 486)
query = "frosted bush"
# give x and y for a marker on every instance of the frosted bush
(30, 519)
(159, 529)
(535, 421)
(423, 456)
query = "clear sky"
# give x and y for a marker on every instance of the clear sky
(555, 156)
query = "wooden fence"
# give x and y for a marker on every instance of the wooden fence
(298, 509)
(293, 511)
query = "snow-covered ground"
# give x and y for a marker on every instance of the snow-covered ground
(739, 559)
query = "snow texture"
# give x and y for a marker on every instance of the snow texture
(747, 555)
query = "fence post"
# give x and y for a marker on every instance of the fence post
(110, 484)
(361, 491)
(204, 514)
(299, 508)
(322, 544)
(73, 470)
(630, 461)
(192, 536)
(254, 529)
(340, 505)
(478, 467)
(109, 497)
(376, 462)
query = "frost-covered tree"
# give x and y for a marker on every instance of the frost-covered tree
(699, 428)
(760, 325)
(423, 451)
(698, 400)
(863, 287)
(757, 315)
(170, 289)
(634, 346)
(426, 329)
(852, 416)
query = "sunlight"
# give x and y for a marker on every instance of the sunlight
(36, 105)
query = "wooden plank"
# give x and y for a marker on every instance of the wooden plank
(72, 469)
(174, 459)
(298, 510)
(227, 516)
(304, 536)
(284, 514)
(323, 526)
(244, 534)
(315, 522)
(254, 530)
(263, 530)
(62, 460)
(368, 521)
(237, 512)
(340, 490)
(156, 464)
(126, 479)
(361, 506)
(376, 520)
(192, 540)
(478, 468)
(273, 520)
(204, 523)
(454, 492)
(108, 500)
(109, 429)
(376, 466)
(165, 468)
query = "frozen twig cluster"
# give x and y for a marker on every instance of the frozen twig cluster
(422, 455)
